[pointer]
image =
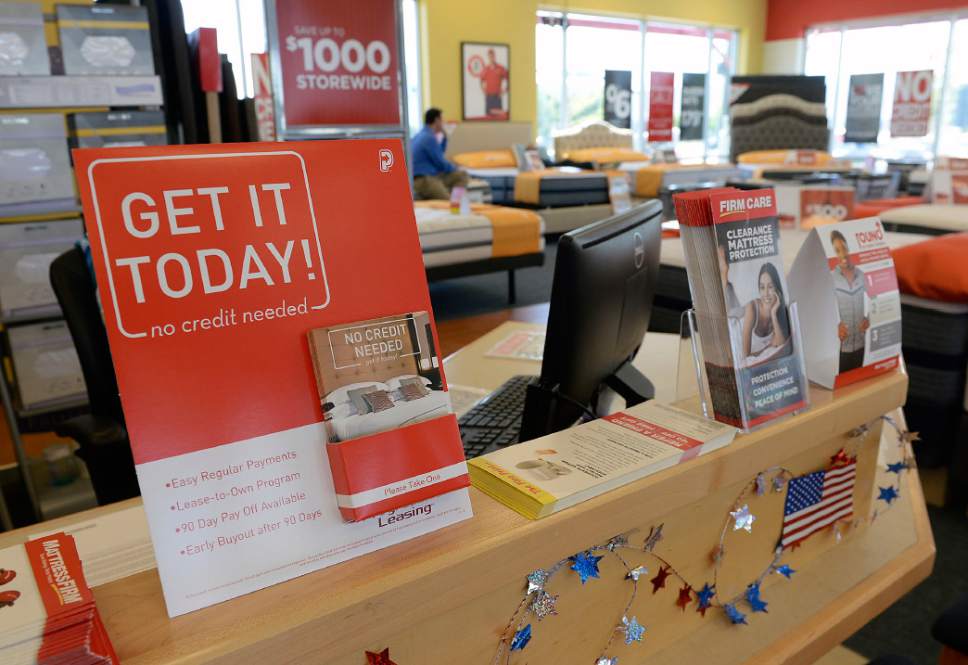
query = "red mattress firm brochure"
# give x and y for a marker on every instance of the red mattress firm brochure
(383, 376)
(213, 263)
(47, 611)
(542, 476)
(845, 285)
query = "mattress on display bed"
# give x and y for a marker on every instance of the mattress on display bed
(488, 232)
(930, 218)
(550, 188)
(935, 347)
(648, 180)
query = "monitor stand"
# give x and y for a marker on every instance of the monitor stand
(631, 384)
(547, 410)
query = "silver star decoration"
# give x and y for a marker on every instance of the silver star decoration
(910, 437)
(544, 605)
(743, 518)
(760, 484)
(838, 533)
(617, 542)
(536, 581)
(655, 535)
(859, 432)
(636, 573)
(605, 660)
(778, 482)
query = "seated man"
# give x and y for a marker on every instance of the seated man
(433, 175)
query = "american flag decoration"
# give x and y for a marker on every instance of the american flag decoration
(817, 500)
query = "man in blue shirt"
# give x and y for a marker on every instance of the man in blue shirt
(433, 175)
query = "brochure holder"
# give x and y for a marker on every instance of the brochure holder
(693, 381)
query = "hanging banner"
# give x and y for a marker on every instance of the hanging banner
(912, 103)
(865, 93)
(265, 114)
(661, 94)
(693, 107)
(618, 98)
(338, 62)
(214, 263)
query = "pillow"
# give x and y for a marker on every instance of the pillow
(412, 391)
(606, 155)
(341, 394)
(934, 269)
(378, 400)
(485, 159)
(357, 395)
(397, 382)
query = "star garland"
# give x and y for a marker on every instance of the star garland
(541, 604)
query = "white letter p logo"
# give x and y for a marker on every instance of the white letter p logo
(386, 160)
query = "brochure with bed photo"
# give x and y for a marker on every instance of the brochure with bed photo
(545, 475)
(748, 331)
(845, 286)
(377, 375)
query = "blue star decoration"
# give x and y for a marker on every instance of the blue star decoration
(705, 598)
(753, 598)
(897, 467)
(785, 570)
(734, 614)
(521, 638)
(887, 494)
(586, 565)
(634, 631)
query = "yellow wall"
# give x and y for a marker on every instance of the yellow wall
(447, 23)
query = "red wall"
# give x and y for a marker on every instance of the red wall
(787, 19)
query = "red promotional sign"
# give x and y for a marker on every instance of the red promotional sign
(265, 113)
(661, 95)
(912, 103)
(213, 263)
(339, 62)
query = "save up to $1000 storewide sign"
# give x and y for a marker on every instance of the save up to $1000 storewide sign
(213, 262)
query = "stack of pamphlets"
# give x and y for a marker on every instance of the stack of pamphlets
(748, 336)
(47, 611)
(545, 475)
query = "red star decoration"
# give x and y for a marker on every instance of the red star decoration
(658, 582)
(840, 459)
(382, 658)
(685, 597)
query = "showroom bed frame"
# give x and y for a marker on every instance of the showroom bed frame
(485, 266)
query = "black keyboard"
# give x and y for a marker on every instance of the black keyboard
(496, 421)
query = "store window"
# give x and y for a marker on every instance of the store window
(241, 27)
(936, 43)
(573, 51)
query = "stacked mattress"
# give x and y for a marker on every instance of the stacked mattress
(551, 188)
(487, 232)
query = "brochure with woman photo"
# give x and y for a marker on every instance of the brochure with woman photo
(751, 353)
(844, 282)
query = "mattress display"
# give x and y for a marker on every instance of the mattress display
(935, 347)
(777, 112)
(648, 180)
(552, 188)
(117, 129)
(487, 232)
(46, 366)
(34, 164)
(23, 45)
(933, 219)
(26, 252)
(105, 40)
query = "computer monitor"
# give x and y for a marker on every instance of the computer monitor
(601, 302)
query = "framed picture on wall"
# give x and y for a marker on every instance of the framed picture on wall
(485, 81)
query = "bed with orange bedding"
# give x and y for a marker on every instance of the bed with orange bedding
(489, 239)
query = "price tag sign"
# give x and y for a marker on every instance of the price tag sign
(618, 98)
(692, 107)
(339, 62)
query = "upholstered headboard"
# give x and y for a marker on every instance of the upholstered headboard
(475, 136)
(597, 134)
